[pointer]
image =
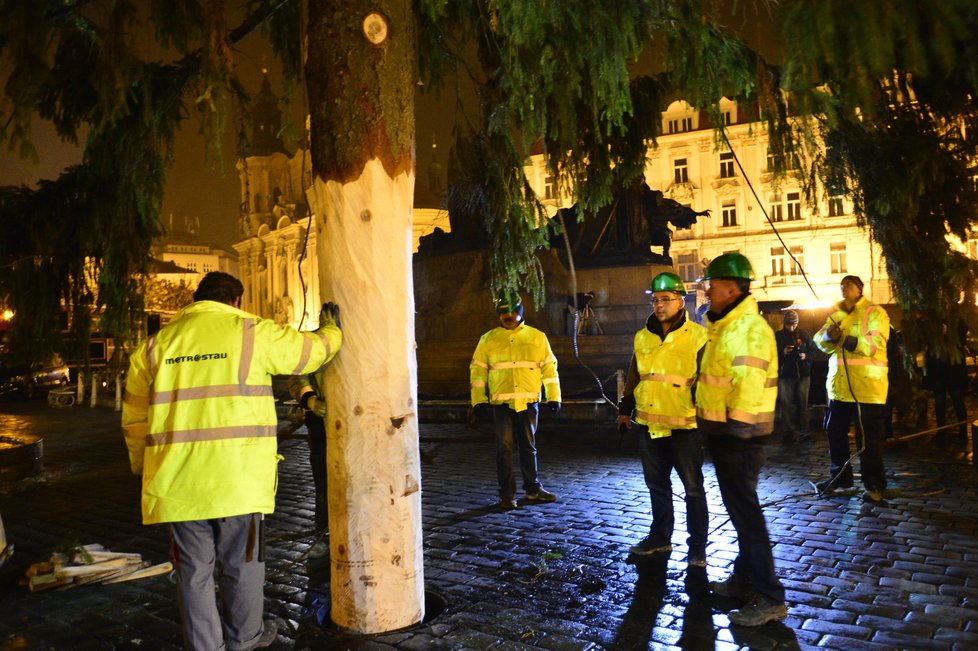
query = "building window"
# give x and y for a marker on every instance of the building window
(837, 258)
(680, 125)
(680, 171)
(729, 211)
(797, 260)
(836, 206)
(794, 206)
(549, 187)
(726, 118)
(777, 213)
(778, 259)
(726, 165)
(689, 267)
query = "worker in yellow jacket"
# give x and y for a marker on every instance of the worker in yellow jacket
(855, 337)
(510, 366)
(659, 391)
(200, 423)
(735, 398)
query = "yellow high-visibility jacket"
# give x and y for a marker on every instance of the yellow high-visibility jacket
(513, 365)
(865, 331)
(199, 417)
(738, 381)
(666, 371)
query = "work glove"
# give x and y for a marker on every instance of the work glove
(317, 406)
(482, 411)
(554, 407)
(834, 333)
(624, 423)
(329, 316)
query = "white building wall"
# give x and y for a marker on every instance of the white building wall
(752, 235)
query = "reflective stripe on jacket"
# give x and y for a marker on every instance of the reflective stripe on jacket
(869, 326)
(667, 372)
(199, 417)
(511, 366)
(738, 381)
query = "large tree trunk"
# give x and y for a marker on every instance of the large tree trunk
(362, 134)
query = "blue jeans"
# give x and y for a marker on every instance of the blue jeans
(683, 450)
(738, 463)
(520, 427)
(793, 396)
(840, 417)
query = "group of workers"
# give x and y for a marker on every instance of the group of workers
(200, 424)
(691, 388)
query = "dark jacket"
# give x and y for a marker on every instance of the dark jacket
(791, 365)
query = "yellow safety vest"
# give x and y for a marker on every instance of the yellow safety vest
(514, 364)
(667, 372)
(738, 378)
(199, 417)
(865, 368)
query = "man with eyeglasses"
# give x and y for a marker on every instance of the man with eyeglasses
(659, 392)
(735, 397)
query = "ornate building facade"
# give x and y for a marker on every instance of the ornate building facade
(689, 165)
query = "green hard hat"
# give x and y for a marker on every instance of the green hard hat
(729, 265)
(508, 302)
(667, 282)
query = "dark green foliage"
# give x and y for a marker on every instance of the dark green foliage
(893, 87)
(548, 74)
(75, 249)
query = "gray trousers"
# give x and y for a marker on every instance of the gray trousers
(231, 545)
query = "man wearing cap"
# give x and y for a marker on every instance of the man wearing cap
(794, 377)
(855, 336)
(513, 362)
(659, 393)
(735, 399)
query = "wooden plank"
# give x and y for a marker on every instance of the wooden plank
(93, 568)
(90, 557)
(145, 573)
(41, 582)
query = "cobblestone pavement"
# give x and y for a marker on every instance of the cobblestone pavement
(903, 575)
